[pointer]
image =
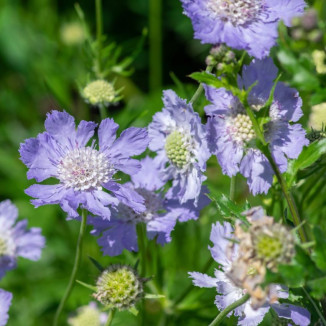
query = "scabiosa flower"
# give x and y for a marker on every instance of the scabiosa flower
(100, 92)
(161, 214)
(15, 239)
(119, 287)
(242, 24)
(5, 302)
(83, 171)
(88, 315)
(179, 138)
(229, 292)
(231, 134)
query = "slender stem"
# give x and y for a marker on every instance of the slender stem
(190, 288)
(75, 268)
(228, 309)
(200, 87)
(155, 44)
(142, 247)
(315, 306)
(99, 26)
(232, 187)
(110, 317)
(288, 197)
(103, 113)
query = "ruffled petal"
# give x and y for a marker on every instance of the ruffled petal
(300, 316)
(5, 302)
(85, 131)
(252, 317)
(203, 280)
(107, 134)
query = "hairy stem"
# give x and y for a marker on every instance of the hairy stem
(228, 309)
(110, 317)
(288, 196)
(99, 27)
(75, 268)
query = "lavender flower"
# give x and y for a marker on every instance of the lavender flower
(160, 216)
(231, 134)
(228, 292)
(179, 138)
(5, 302)
(83, 171)
(242, 24)
(15, 239)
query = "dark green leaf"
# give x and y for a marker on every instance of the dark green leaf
(320, 249)
(293, 275)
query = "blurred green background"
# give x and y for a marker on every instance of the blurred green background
(43, 65)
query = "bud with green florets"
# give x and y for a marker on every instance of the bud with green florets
(119, 287)
(177, 149)
(100, 92)
(220, 56)
(72, 33)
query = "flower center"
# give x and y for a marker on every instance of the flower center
(85, 169)
(241, 129)
(238, 12)
(153, 204)
(177, 149)
(269, 247)
(3, 247)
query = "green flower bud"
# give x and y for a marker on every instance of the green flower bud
(72, 33)
(100, 92)
(88, 316)
(119, 287)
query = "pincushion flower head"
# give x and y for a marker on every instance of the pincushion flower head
(83, 171)
(15, 239)
(160, 216)
(231, 133)
(249, 25)
(179, 139)
(5, 302)
(229, 292)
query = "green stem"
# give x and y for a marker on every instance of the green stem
(75, 268)
(102, 110)
(228, 309)
(190, 288)
(288, 197)
(232, 187)
(110, 317)
(142, 247)
(99, 26)
(315, 306)
(155, 44)
(200, 87)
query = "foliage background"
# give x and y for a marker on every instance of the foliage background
(40, 73)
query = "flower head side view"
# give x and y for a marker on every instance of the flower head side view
(83, 171)
(229, 290)
(231, 133)
(179, 138)
(249, 25)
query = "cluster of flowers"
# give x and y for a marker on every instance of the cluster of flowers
(15, 241)
(169, 187)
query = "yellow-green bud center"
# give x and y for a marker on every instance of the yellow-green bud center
(176, 149)
(241, 128)
(119, 287)
(269, 247)
(99, 92)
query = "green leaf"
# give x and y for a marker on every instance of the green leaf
(308, 156)
(96, 264)
(154, 296)
(318, 287)
(134, 311)
(88, 286)
(293, 275)
(319, 255)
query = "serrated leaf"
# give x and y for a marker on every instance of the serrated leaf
(319, 255)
